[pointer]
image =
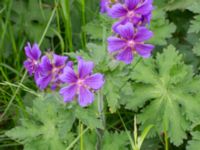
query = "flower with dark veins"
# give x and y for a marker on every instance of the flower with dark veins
(130, 41)
(82, 83)
(138, 12)
(33, 59)
(52, 66)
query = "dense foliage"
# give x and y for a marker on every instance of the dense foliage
(142, 102)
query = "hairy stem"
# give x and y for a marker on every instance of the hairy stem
(100, 132)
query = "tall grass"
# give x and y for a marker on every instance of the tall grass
(13, 75)
(83, 34)
(65, 6)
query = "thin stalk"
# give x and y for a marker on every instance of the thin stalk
(100, 132)
(14, 46)
(67, 20)
(3, 65)
(62, 43)
(17, 99)
(4, 8)
(42, 12)
(24, 76)
(47, 26)
(74, 142)
(3, 34)
(166, 141)
(83, 34)
(138, 61)
(81, 138)
(57, 18)
(128, 134)
(58, 32)
(13, 97)
(104, 38)
(100, 108)
(135, 134)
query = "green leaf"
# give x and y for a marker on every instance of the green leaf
(151, 144)
(194, 144)
(88, 117)
(97, 53)
(161, 28)
(178, 4)
(112, 96)
(196, 48)
(171, 5)
(47, 127)
(110, 141)
(170, 91)
(144, 135)
(194, 27)
(31, 18)
(194, 6)
(115, 81)
(89, 141)
(95, 27)
(115, 141)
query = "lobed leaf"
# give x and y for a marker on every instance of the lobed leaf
(161, 28)
(194, 144)
(167, 91)
(194, 27)
(47, 127)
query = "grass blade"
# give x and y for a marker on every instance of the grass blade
(65, 4)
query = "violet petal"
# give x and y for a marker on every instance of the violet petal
(85, 97)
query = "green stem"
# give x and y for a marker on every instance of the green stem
(81, 138)
(138, 61)
(47, 26)
(5, 26)
(74, 142)
(17, 99)
(67, 20)
(13, 98)
(135, 133)
(128, 134)
(100, 132)
(166, 141)
(24, 76)
(83, 34)
(14, 47)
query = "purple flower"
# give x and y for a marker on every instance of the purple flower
(52, 66)
(129, 42)
(82, 83)
(33, 58)
(106, 4)
(137, 12)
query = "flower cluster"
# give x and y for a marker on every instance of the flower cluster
(54, 70)
(130, 30)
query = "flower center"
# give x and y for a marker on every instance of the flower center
(35, 62)
(131, 14)
(54, 70)
(131, 44)
(80, 82)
